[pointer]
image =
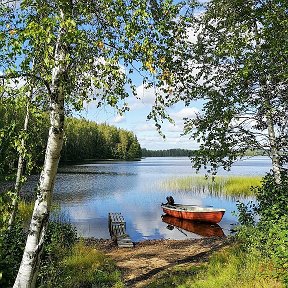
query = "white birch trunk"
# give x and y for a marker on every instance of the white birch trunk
(274, 151)
(271, 132)
(27, 273)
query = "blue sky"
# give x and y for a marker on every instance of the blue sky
(136, 121)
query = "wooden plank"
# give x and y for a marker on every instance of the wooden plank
(117, 229)
(125, 241)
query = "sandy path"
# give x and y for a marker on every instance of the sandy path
(143, 262)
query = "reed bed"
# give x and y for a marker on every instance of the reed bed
(230, 186)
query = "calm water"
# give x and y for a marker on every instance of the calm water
(87, 193)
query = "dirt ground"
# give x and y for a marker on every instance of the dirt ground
(148, 258)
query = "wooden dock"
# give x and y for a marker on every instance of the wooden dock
(117, 229)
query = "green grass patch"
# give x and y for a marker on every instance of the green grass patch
(88, 266)
(84, 266)
(25, 211)
(230, 267)
(230, 186)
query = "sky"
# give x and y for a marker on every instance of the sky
(135, 120)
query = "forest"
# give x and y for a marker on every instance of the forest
(177, 152)
(56, 56)
(101, 141)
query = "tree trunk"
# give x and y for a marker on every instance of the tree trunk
(271, 132)
(17, 186)
(27, 273)
(274, 151)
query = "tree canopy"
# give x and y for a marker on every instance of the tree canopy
(238, 66)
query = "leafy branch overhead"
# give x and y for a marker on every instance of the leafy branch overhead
(103, 42)
(237, 66)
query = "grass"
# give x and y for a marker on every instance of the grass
(85, 266)
(25, 211)
(230, 186)
(230, 267)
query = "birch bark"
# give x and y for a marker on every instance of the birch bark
(274, 151)
(27, 273)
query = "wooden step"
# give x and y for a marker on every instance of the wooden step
(117, 229)
(125, 242)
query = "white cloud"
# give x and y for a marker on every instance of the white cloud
(143, 127)
(192, 35)
(175, 128)
(187, 112)
(119, 119)
(145, 97)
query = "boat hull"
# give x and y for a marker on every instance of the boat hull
(204, 215)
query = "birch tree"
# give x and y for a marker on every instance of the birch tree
(237, 66)
(77, 48)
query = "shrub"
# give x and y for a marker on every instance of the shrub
(12, 243)
(59, 240)
(269, 234)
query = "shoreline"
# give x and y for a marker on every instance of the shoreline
(148, 259)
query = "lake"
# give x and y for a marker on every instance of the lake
(86, 193)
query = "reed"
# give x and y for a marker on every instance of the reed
(231, 186)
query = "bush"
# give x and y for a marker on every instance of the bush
(59, 240)
(67, 262)
(269, 234)
(12, 243)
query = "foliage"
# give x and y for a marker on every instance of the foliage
(69, 263)
(65, 262)
(185, 152)
(87, 267)
(12, 114)
(59, 240)
(166, 153)
(5, 206)
(102, 141)
(25, 209)
(231, 267)
(269, 235)
(74, 51)
(235, 65)
(12, 243)
(99, 37)
(83, 140)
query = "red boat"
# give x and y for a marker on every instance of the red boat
(193, 212)
(200, 228)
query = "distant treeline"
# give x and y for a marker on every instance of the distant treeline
(166, 153)
(185, 152)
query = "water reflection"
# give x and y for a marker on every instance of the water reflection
(200, 228)
(87, 193)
